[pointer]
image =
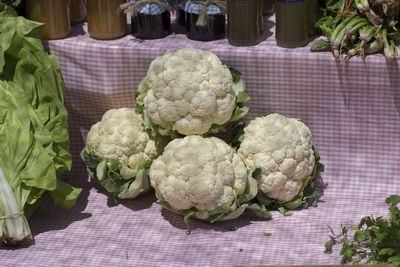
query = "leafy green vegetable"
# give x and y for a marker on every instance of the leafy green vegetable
(34, 139)
(374, 240)
(353, 28)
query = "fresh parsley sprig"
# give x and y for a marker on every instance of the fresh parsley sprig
(374, 240)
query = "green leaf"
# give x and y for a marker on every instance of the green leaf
(393, 200)
(267, 234)
(237, 135)
(374, 240)
(34, 151)
(186, 217)
(251, 189)
(242, 97)
(321, 46)
(284, 212)
(119, 179)
(232, 215)
(259, 210)
(65, 195)
(235, 74)
(387, 251)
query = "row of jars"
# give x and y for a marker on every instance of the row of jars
(244, 27)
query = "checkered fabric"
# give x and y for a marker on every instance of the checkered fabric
(352, 109)
(196, 9)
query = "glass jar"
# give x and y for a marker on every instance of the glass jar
(106, 20)
(214, 23)
(291, 23)
(155, 26)
(180, 13)
(268, 7)
(77, 10)
(213, 29)
(245, 23)
(313, 16)
(55, 14)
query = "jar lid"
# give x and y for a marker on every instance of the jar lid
(151, 9)
(196, 9)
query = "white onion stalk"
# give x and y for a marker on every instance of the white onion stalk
(13, 224)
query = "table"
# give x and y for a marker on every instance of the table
(352, 109)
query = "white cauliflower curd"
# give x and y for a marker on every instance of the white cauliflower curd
(117, 152)
(190, 91)
(283, 150)
(203, 178)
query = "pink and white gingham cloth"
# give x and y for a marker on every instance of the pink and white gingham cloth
(353, 111)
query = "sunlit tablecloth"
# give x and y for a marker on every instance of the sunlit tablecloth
(352, 109)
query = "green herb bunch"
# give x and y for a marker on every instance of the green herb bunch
(359, 27)
(374, 240)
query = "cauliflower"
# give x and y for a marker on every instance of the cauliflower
(283, 150)
(190, 92)
(203, 178)
(118, 151)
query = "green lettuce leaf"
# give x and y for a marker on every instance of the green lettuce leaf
(34, 137)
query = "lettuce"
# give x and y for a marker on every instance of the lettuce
(34, 138)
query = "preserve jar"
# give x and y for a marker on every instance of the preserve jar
(151, 21)
(180, 13)
(77, 10)
(55, 15)
(245, 22)
(313, 16)
(268, 8)
(211, 28)
(105, 19)
(291, 23)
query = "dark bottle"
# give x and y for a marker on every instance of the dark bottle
(77, 9)
(268, 7)
(213, 29)
(291, 23)
(180, 13)
(245, 24)
(313, 16)
(151, 26)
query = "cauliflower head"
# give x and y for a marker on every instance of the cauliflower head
(202, 177)
(121, 135)
(189, 91)
(118, 150)
(283, 150)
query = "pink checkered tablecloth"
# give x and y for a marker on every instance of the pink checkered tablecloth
(353, 111)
